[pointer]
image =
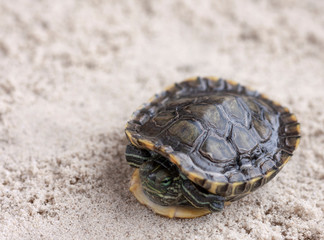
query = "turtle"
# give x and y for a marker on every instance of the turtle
(205, 142)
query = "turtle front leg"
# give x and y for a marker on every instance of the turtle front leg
(136, 156)
(200, 199)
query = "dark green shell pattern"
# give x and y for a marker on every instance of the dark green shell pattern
(221, 135)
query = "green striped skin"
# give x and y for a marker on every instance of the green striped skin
(163, 184)
(136, 157)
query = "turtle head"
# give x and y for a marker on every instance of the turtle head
(159, 177)
(161, 182)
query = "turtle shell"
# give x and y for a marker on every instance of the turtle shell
(224, 137)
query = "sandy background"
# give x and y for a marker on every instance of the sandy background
(72, 72)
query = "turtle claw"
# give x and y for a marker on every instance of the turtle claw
(216, 206)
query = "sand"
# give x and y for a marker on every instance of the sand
(72, 72)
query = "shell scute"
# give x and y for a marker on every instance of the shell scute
(235, 176)
(187, 131)
(235, 111)
(263, 130)
(243, 139)
(251, 105)
(218, 149)
(163, 118)
(211, 114)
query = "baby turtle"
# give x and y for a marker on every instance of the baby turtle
(204, 143)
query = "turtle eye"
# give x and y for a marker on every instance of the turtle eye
(166, 181)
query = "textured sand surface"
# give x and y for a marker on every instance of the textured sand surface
(72, 72)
